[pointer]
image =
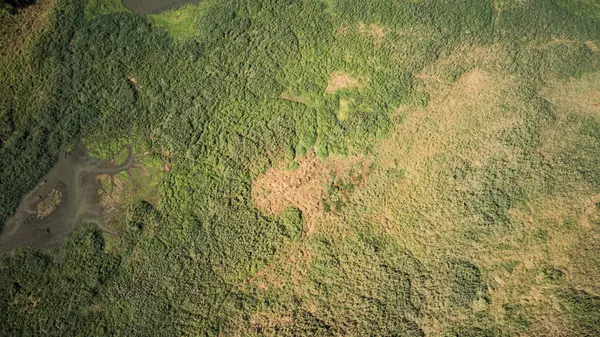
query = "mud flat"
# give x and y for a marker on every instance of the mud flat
(66, 197)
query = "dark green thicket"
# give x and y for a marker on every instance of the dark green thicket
(44, 297)
(34, 102)
(13, 6)
(366, 285)
(467, 284)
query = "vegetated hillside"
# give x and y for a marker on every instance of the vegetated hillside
(308, 168)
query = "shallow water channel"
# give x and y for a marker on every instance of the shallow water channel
(154, 6)
(65, 197)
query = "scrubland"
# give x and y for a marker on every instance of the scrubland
(309, 168)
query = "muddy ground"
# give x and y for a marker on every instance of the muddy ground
(66, 197)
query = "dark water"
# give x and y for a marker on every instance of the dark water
(154, 6)
(74, 179)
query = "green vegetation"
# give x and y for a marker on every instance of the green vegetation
(474, 212)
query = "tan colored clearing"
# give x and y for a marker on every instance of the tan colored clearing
(554, 41)
(475, 82)
(377, 31)
(292, 98)
(462, 127)
(466, 56)
(587, 220)
(304, 188)
(49, 204)
(269, 323)
(373, 30)
(340, 80)
(464, 118)
(592, 45)
(134, 82)
(341, 31)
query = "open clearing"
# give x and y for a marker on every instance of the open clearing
(307, 186)
(340, 80)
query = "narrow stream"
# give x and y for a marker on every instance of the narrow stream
(66, 197)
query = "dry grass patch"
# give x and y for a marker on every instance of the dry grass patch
(466, 56)
(465, 119)
(269, 323)
(581, 95)
(373, 30)
(547, 250)
(411, 193)
(342, 30)
(340, 80)
(305, 188)
(592, 45)
(28, 23)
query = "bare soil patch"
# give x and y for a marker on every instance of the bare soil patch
(306, 187)
(340, 80)
(134, 82)
(592, 45)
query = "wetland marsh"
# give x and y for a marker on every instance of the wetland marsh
(66, 197)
